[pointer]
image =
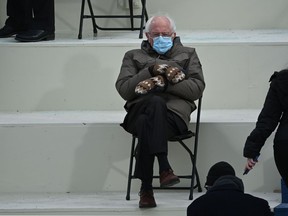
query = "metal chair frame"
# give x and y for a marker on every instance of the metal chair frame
(143, 16)
(193, 157)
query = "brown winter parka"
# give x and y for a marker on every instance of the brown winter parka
(179, 97)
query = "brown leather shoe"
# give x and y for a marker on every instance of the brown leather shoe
(167, 178)
(147, 199)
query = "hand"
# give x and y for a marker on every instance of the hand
(174, 75)
(250, 164)
(156, 83)
(158, 69)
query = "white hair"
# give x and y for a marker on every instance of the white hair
(171, 21)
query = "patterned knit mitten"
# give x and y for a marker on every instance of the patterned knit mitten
(153, 84)
(174, 75)
(158, 69)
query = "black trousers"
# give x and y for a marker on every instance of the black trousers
(31, 14)
(153, 124)
(281, 159)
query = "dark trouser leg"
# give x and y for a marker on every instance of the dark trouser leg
(153, 124)
(44, 15)
(281, 159)
(19, 14)
(145, 160)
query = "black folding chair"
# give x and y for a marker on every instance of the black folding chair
(193, 156)
(143, 17)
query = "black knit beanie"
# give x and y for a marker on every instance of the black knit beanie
(217, 170)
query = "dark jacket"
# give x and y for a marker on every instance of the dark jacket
(274, 113)
(227, 198)
(179, 97)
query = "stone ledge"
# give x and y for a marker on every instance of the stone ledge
(193, 37)
(113, 117)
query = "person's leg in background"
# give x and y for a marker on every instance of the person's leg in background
(44, 15)
(42, 26)
(281, 159)
(19, 18)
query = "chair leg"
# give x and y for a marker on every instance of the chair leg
(143, 14)
(130, 168)
(81, 19)
(92, 17)
(194, 171)
(146, 15)
(131, 14)
(198, 185)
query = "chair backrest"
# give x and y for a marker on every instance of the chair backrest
(199, 107)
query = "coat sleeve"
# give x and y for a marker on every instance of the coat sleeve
(130, 75)
(267, 122)
(193, 86)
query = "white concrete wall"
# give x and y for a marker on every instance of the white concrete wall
(74, 77)
(88, 158)
(196, 14)
(95, 157)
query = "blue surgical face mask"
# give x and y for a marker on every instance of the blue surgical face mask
(162, 44)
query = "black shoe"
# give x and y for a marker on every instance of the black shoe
(35, 36)
(8, 31)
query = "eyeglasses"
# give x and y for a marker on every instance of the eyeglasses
(157, 34)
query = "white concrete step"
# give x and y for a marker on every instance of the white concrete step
(89, 152)
(109, 203)
(60, 112)
(56, 138)
(116, 117)
(71, 74)
(207, 15)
